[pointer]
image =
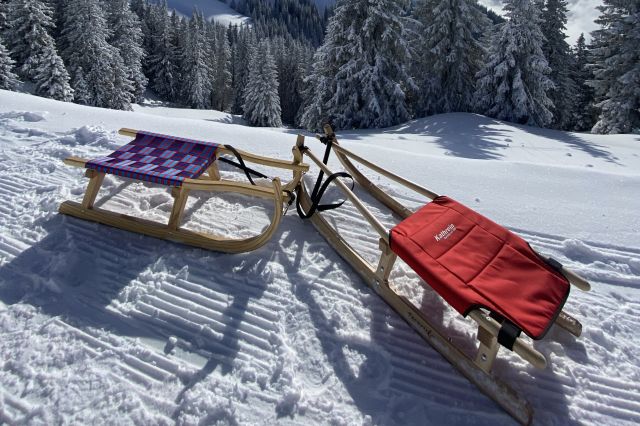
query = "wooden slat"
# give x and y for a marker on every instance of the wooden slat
(75, 161)
(95, 182)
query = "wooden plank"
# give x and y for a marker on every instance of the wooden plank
(373, 189)
(213, 172)
(75, 161)
(569, 323)
(180, 196)
(183, 236)
(95, 182)
(487, 349)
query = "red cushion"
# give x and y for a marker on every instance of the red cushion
(473, 262)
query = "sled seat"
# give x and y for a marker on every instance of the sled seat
(473, 262)
(165, 160)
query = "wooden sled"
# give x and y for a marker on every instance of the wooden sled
(183, 165)
(476, 368)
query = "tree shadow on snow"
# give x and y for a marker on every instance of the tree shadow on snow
(474, 136)
(81, 268)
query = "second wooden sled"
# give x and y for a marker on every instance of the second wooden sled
(183, 165)
(494, 329)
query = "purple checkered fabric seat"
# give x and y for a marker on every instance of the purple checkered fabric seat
(167, 160)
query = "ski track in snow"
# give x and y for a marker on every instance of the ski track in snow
(101, 325)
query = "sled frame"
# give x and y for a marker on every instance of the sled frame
(478, 370)
(209, 181)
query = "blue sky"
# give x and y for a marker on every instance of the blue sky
(580, 19)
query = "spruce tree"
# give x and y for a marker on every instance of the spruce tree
(220, 66)
(162, 55)
(3, 15)
(33, 48)
(616, 67)
(513, 84)
(261, 100)
(240, 67)
(584, 114)
(52, 78)
(558, 55)
(126, 36)
(196, 75)
(359, 78)
(8, 80)
(92, 61)
(449, 55)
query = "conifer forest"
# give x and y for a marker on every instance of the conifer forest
(357, 64)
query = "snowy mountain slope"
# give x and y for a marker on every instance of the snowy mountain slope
(101, 325)
(212, 9)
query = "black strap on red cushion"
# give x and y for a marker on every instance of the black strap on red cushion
(508, 334)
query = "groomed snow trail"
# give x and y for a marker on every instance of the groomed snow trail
(101, 325)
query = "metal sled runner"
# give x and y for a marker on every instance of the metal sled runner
(481, 269)
(183, 165)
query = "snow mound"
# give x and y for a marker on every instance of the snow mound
(28, 116)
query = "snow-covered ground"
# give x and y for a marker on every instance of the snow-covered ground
(212, 9)
(101, 325)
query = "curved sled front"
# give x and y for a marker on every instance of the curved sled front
(180, 164)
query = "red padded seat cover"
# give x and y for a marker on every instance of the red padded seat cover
(472, 262)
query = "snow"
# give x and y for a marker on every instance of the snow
(212, 9)
(104, 326)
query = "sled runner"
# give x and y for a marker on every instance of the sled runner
(183, 165)
(481, 269)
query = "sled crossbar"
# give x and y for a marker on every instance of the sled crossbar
(182, 165)
(493, 330)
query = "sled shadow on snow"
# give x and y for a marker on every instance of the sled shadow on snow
(478, 137)
(80, 268)
(401, 379)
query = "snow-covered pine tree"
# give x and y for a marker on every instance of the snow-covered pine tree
(584, 114)
(292, 57)
(220, 67)
(359, 77)
(261, 100)
(558, 54)
(33, 48)
(138, 7)
(92, 61)
(196, 74)
(513, 84)
(616, 67)
(52, 78)
(448, 54)
(162, 55)
(3, 15)
(240, 66)
(126, 36)
(8, 80)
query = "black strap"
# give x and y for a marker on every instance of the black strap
(320, 187)
(315, 201)
(554, 264)
(508, 334)
(240, 164)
